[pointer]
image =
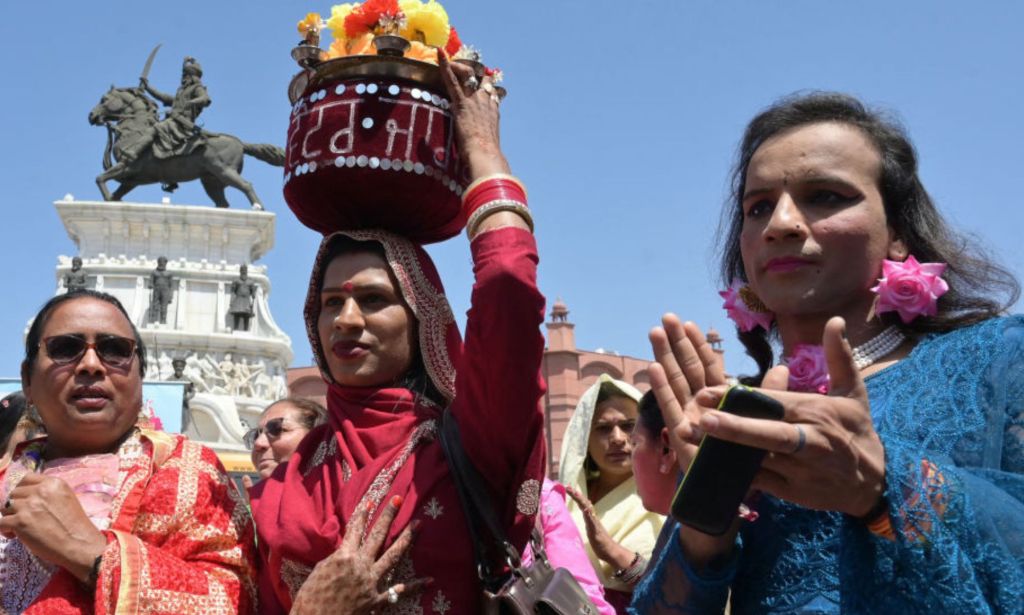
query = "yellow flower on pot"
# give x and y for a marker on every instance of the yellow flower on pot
(336, 23)
(425, 22)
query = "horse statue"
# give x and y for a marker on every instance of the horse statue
(130, 116)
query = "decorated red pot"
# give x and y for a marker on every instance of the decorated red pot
(371, 144)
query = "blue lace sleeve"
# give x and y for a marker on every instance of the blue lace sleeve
(954, 446)
(672, 586)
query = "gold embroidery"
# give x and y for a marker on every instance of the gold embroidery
(382, 482)
(433, 509)
(441, 604)
(294, 575)
(327, 449)
(403, 572)
(132, 471)
(528, 498)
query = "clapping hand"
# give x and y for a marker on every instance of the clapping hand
(684, 364)
(825, 454)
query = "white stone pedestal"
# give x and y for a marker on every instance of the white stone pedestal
(236, 373)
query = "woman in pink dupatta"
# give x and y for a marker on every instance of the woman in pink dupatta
(380, 445)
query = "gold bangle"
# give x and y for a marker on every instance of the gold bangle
(478, 181)
(493, 207)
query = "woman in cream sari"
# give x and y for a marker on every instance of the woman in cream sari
(597, 470)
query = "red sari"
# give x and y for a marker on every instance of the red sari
(180, 538)
(380, 442)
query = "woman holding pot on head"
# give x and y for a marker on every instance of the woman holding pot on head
(895, 480)
(596, 467)
(387, 344)
(99, 515)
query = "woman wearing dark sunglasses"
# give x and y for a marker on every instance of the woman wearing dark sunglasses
(283, 424)
(101, 515)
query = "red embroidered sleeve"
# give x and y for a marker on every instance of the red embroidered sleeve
(498, 386)
(190, 548)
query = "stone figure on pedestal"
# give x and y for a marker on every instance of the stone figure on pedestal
(243, 297)
(190, 391)
(227, 375)
(177, 133)
(162, 283)
(76, 278)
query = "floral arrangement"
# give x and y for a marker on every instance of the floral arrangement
(745, 308)
(808, 370)
(353, 26)
(910, 288)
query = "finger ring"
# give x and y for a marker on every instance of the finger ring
(801, 439)
(472, 83)
(392, 595)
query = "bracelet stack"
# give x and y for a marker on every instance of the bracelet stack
(632, 573)
(494, 193)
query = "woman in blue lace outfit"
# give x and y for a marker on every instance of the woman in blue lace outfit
(902, 491)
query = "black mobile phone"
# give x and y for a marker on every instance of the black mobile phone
(720, 473)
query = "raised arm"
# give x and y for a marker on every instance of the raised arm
(499, 387)
(166, 99)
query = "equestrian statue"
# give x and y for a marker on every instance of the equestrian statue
(142, 148)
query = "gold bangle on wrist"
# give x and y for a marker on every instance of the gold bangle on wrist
(478, 216)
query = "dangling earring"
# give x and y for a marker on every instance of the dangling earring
(590, 469)
(909, 288)
(745, 308)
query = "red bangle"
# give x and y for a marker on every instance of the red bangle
(490, 189)
(504, 178)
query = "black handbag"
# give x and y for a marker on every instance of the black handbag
(510, 588)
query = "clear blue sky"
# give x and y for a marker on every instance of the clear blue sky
(622, 119)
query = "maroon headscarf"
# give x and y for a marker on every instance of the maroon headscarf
(358, 458)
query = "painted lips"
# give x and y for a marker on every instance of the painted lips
(785, 264)
(349, 350)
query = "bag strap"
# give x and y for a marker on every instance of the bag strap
(490, 543)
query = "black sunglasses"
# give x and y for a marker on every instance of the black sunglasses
(274, 428)
(113, 350)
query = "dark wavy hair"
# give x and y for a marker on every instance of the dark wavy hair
(35, 332)
(416, 379)
(979, 288)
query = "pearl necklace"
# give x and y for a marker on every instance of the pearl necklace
(877, 347)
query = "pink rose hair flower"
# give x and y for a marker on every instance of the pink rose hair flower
(745, 308)
(910, 288)
(808, 371)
